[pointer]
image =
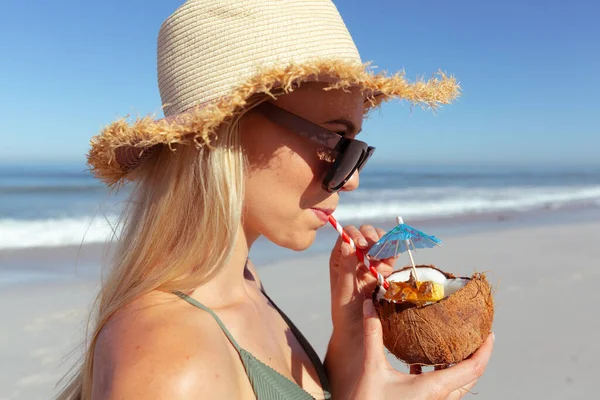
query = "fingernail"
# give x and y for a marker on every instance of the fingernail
(368, 308)
(362, 242)
(493, 337)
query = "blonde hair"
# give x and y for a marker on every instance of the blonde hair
(179, 196)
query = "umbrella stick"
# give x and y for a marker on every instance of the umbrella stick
(399, 220)
(413, 244)
(412, 261)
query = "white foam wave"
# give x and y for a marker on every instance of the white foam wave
(459, 201)
(54, 232)
(362, 205)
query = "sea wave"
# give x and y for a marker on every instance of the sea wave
(382, 204)
(454, 201)
(15, 233)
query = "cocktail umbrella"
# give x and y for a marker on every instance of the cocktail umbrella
(400, 239)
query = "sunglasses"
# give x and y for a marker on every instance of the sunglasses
(349, 155)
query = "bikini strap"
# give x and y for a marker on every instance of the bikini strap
(201, 306)
(310, 351)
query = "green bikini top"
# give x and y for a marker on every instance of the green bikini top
(267, 383)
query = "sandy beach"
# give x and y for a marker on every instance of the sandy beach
(546, 321)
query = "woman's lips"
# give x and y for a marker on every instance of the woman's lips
(322, 214)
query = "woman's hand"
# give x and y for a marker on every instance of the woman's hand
(355, 360)
(351, 284)
(379, 380)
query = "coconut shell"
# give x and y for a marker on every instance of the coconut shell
(442, 333)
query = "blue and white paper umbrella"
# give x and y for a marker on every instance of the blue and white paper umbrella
(402, 238)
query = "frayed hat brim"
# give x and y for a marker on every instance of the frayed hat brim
(122, 146)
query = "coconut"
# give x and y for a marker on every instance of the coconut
(437, 333)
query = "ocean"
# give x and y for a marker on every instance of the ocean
(58, 205)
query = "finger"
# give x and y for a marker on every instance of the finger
(416, 369)
(465, 372)
(380, 232)
(461, 392)
(384, 268)
(365, 282)
(357, 237)
(334, 263)
(372, 337)
(349, 263)
(363, 238)
(369, 232)
(346, 278)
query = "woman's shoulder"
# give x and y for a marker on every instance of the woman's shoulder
(159, 345)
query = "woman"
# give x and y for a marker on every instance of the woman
(263, 101)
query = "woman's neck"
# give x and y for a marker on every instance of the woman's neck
(232, 283)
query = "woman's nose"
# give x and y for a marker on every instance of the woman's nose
(352, 183)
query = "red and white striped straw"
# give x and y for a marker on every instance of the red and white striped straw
(361, 256)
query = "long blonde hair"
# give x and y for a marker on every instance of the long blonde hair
(178, 199)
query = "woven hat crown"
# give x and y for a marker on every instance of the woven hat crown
(206, 48)
(214, 55)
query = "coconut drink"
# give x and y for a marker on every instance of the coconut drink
(437, 319)
(428, 316)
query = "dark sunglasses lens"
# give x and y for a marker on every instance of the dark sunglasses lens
(365, 158)
(344, 166)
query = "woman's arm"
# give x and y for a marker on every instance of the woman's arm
(343, 366)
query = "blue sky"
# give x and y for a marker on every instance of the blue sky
(528, 69)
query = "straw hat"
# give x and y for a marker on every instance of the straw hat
(214, 54)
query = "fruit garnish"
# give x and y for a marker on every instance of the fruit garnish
(415, 292)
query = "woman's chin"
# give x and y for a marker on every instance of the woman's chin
(298, 242)
(302, 245)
